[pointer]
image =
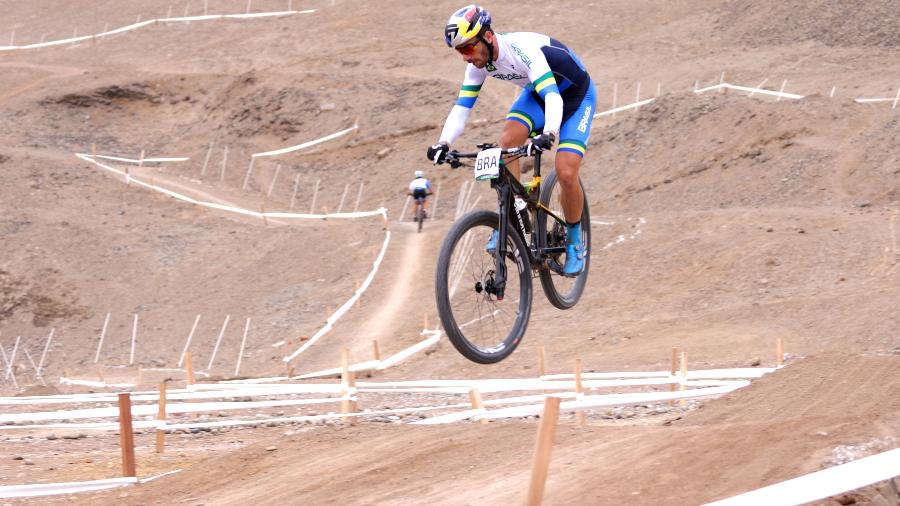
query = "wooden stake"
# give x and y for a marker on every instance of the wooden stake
(358, 196)
(237, 368)
(681, 385)
(345, 383)
(274, 178)
(247, 175)
(141, 160)
(161, 415)
(189, 367)
(224, 164)
(206, 161)
(94, 152)
(133, 339)
(674, 369)
(579, 392)
(376, 350)
(188, 343)
(46, 349)
(296, 185)
(351, 377)
(312, 207)
(779, 352)
(262, 212)
(343, 196)
(542, 449)
(126, 436)
(218, 342)
(475, 399)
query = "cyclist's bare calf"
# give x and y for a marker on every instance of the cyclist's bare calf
(567, 165)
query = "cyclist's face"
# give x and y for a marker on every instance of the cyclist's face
(474, 52)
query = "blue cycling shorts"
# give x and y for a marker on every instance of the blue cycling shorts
(575, 130)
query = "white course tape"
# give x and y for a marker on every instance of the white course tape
(74, 487)
(624, 108)
(822, 484)
(307, 144)
(347, 305)
(129, 178)
(753, 90)
(145, 160)
(142, 24)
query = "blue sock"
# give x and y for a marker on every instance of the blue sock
(573, 233)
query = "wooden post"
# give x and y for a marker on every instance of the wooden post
(294, 195)
(224, 164)
(312, 206)
(358, 196)
(189, 367)
(161, 415)
(477, 403)
(247, 175)
(126, 436)
(274, 178)
(262, 213)
(779, 352)
(681, 385)
(141, 160)
(188, 343)
(351, 377)
(376, 350)
(579, 392)
(675, 351)
(133, 339)
(218, 342)
(206, 161)
(94, 152)
(348, 383)
(237, 368)
(542, 450)
(343, 197)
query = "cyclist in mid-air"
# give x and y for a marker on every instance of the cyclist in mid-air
(558, 100)
(420, 187)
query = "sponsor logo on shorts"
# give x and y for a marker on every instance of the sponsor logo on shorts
(583, 124)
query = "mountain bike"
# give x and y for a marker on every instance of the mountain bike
(484, 297)
(420, 211)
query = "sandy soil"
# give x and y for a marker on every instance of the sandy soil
(742, 220)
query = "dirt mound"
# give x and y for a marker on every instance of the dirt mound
(870, 23)
(828, 386)
(38, 298)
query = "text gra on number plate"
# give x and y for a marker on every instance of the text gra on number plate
(487, 165)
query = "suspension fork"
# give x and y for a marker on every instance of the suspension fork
(505, 199)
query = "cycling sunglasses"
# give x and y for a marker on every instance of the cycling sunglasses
(468, 48)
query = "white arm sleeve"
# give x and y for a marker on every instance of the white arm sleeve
(456, 123)
(553, 111)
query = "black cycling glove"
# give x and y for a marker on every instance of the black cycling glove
(438, 153)
(540, 143)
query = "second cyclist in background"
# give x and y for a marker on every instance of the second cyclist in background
(420, 189)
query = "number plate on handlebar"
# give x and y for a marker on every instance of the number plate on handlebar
(487, 165)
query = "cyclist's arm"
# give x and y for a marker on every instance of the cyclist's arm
(545, 85)
(468, 94)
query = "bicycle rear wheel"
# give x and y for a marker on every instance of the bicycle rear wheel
(563, 292)
(421, 213)
(483, 329)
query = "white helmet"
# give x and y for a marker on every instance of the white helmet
(419, 174)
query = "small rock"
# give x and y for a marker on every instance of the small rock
(18, 457)
(755, 362)
(862, 203)
(52, 437)
(327, 107)
(271, 448)
(28, 462)
(383, 152)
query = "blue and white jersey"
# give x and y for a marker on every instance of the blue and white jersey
(535, 62)
(420, 183)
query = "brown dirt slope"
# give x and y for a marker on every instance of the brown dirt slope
(778, 428)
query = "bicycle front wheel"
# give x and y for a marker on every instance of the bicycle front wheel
(481, 327)
(561, 291)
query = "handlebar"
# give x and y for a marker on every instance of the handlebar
(453, 157)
